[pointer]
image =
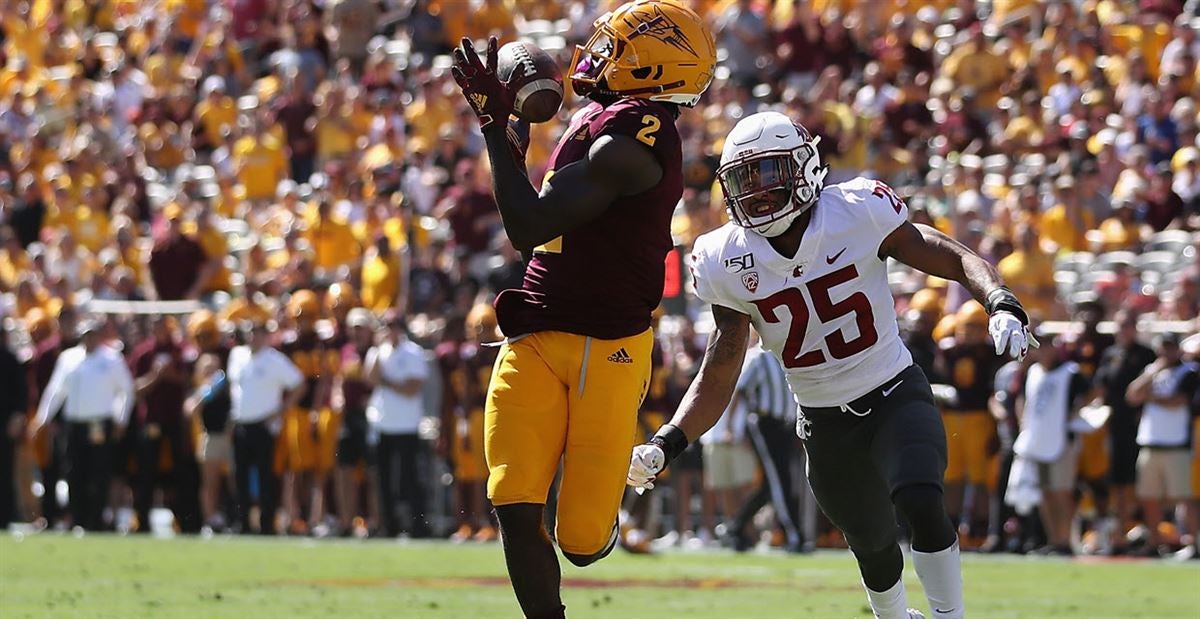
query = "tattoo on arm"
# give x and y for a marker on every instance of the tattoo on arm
(711, 390)
(728, 343)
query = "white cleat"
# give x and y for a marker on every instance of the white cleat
(915, 614)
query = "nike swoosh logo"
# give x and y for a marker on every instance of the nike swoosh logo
(944, 612)
(886, 393)
(832, 259)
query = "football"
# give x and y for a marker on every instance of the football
(534, 80)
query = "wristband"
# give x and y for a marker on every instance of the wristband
(1003, 300)
(671, 440)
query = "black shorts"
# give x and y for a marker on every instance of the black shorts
(857, 463)
(352, 439)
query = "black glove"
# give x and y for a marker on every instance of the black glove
(485, 92)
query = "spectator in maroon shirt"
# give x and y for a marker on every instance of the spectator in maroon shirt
(798, 45)
(298, 116)
(247, 17)
(161, 376)
(1164, 209)
(908, 117)
(470, 208)
(179, 268)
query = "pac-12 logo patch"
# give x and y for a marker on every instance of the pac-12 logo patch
(737, 264)
(750, 281)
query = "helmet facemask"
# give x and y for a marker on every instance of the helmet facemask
(768, 190)
(590, 61)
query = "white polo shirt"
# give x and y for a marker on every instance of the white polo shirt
(1167, 426)
(391, 412)
(257, 382)
(94, 386)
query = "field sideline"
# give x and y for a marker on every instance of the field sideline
(53, 575)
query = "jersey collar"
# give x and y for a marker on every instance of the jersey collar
(802, 263)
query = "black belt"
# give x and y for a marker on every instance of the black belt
(863, 405)
(88, 422)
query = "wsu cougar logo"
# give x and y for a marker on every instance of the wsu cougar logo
(750, 281)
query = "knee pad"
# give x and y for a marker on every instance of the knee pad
(581, 560)
(922, 506)
(881, 568)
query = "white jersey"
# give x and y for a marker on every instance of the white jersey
(827, 312)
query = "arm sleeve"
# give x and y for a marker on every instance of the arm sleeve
(289, 374)
(370, 360)
(700, 267)
(418, 366)
(126, 389)
(53, 396)
(885, 210)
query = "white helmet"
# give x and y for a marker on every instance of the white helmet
(770, 172)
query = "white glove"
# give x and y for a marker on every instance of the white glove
(1009, 334)
(646, 462)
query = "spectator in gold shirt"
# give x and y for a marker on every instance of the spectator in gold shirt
(260, 163)
(1029, 271)
(1064, 226)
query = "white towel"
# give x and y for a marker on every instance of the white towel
(1024, 492)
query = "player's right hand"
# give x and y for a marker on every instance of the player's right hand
(481, 86)
(647, 461)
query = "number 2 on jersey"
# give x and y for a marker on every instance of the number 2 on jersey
(652, 125)
(827, 311)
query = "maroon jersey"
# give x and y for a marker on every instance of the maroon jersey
(454, 379)
(1088, 350)
(604, 278)
(355, 388)
(477, 362)
(163, 403)
(657, 400)
(971, 369)
(316, 362)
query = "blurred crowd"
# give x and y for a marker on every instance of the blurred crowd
(306, 178)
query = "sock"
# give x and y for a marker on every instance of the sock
(941, 575)
(890, 604)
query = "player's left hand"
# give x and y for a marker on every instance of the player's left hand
(481, 86)
(647, 461)
(1009, 334)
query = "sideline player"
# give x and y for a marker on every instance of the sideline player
(806, 265)
(569, 379)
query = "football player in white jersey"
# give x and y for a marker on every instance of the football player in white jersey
(806, 265)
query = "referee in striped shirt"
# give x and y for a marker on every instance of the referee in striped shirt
(771, 428)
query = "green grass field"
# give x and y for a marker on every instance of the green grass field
(105, 576)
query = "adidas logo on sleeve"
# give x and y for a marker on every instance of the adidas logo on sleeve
(620, 357)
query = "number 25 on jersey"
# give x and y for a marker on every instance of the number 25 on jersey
(827, 311)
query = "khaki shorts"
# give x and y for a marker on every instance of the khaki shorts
(216, 448)
(1059, 476)
(728, 465)
(1164, 473)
